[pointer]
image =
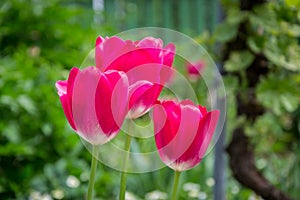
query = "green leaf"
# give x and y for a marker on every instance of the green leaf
(292, 30)
(278, 93)
(255, 43)
(236, 16)
(283, 53)
(239, 61)
(11, 132)
(265, 125)
(293, 3)
(225, 32)
(264, 16)
(27, 103)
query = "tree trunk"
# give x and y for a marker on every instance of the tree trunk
(244, 170)
(241, 156)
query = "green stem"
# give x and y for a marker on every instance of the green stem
(92, 173)
(175, 184)
(124, 173)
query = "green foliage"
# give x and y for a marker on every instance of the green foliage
(278, 92)
(239, 61)
(271, 33)
(39, 153)
(225, 32)
(229, 29)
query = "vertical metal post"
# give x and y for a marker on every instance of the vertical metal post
(220, 154)
(98, 7)
(219, 168)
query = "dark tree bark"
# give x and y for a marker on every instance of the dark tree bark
(241, 156)
(244, 170)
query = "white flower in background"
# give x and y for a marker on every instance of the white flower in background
(202, 195)
(36, 195)
(58, 194)
(189, 186)
(254, 197)
(130, 196)
(235, 189)
(194, 193)
(210, 182)
(72, 182)
(156, 195)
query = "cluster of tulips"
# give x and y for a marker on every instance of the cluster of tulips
(126, 81)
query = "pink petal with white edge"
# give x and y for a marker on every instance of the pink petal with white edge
(83, 106)
(150, 42)
(183, 132)
(211, 125)
(168, 54)
(148, 72)
(191, 155)
(142, 96)
(72, 76)
(111, 101)
(109, 50)
(119, 99)
(166, 117)
(61, 87)
(181, 140)
(65, 101)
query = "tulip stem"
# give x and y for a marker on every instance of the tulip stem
(124, 173)
(175, 184)
(92, 173)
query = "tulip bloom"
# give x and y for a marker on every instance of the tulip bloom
(146, 63)
(94, 102)
(183, 132)
(194, 70)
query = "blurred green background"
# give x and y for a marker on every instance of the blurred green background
(42, 158)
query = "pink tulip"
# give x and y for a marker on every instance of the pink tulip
(94, 102)
(183, 132)
(194, 70)
(146, 63)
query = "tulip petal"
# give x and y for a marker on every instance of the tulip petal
(185, 136)
(168, 54)
(150, 42)
(99, 41)
(119, 97)
(142, 60)
(64, 99)
(83, 106)
(211, 124)
(61, 87)
(167, 117)
(110, 51)
(143, 95)
(135, 58)
(111, 101)
(73, 74)
(183, 132)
